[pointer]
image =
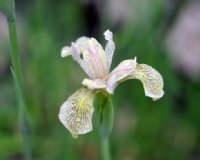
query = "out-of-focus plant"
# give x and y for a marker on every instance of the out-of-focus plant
(76, 113)
(8, 8)
(183, 41)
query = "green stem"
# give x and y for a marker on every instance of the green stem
(105, 148)
(106, 118)
(16, 71)
(14, 50)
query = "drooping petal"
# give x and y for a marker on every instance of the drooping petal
(94, 84)
(122, 71)
(110, 47)
(129, 69)
(151, 79)
(90, 56)
(76, 113)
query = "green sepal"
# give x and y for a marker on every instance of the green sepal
(106, 114)
(8, 8)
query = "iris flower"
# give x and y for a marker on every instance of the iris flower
(76, 112)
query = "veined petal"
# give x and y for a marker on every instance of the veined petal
(76, 113)
(122, 71)
(90, 56)
(78, 57)
(95, 58)
(151, 79)
(94, 84)
(129, 69)
(110, 47)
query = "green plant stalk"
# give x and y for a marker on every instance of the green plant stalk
(106, 124)
(23, 120)
(16, 71)
(105, 148)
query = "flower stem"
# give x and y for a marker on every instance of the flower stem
(105, 148)
(16, 71)
(106, 118)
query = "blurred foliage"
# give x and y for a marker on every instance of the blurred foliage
(144, 129)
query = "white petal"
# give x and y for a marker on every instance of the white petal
(108, 35)
(66, 51)
(90, 56)
(129, 69)
(121, 72)
(151, 79)
(94, 84)
(80, 41)
(76, 113)
(110, 47)
(78, 57)
(95, 58)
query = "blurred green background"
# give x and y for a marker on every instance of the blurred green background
(164, 34)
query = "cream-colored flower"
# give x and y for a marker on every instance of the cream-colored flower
(76, 113)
